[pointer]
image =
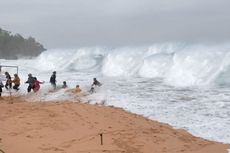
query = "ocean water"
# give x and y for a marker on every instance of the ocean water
(186, 86)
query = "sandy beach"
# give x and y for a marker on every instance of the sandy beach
(73, 127)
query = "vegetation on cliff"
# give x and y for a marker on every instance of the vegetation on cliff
(15, 46)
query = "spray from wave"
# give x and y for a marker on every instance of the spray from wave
(176, 64)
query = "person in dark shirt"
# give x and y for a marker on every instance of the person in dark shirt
(8, 81)
(53, 79)
(95, 83)
(30, 81)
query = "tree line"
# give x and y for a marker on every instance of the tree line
(15, 46)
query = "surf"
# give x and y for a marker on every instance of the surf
(176, 64)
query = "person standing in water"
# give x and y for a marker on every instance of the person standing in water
(53, 79)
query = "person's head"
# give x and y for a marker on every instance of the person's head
(94, 79)
(35, 78)
(29, 75)
(6, 73)
(54, 72)
(77, 86)
(64, 82)
(15, 75)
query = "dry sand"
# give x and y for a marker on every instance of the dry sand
(67, 127)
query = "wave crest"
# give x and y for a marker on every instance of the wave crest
(176, 64)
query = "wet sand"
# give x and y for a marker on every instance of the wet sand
(73, 127)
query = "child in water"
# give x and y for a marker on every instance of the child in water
(77, 90)
(64, 84)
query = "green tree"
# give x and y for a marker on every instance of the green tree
(13, 46)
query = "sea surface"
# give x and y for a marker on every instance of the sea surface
(186, 86)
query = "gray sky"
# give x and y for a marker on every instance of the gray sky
(74, 23)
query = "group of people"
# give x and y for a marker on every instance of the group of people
(9, 81)
(92, 89)
(34, 83)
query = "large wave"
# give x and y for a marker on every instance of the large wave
(176, 64)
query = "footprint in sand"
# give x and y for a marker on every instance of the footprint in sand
(51, 148)
(29, 136)
(69, 143)
(13, 134)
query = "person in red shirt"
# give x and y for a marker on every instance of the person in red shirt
(37, 85)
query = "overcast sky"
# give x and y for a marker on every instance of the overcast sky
(74, 23)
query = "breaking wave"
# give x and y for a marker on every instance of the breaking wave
(176, 64)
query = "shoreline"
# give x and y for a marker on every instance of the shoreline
(76, 127)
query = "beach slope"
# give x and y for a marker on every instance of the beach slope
(68, 127)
